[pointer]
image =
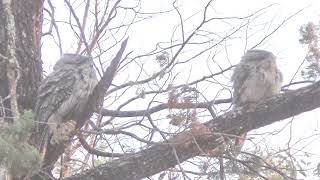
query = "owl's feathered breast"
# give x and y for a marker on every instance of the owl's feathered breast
(54, 90)
(63, 94)
(255, 78)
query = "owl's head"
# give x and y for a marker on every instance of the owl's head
(258, 55)
(73, 61)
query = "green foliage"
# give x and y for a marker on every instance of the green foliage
(19, 131)
(15, 152)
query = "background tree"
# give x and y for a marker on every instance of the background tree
(164, 105)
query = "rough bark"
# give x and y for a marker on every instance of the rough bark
(162, 156)
(27, 18)
(20, 58)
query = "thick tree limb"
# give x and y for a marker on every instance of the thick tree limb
(105, 82)
(161, 157)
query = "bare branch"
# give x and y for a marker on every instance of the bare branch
(205, 105)
(91, 150)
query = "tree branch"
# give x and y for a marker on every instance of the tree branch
(188, 144)
(91, 150)
(115, 113)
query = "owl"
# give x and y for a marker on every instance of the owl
(255, 78)
(61, 98)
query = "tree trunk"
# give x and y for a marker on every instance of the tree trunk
(22, 41)
(20, 58)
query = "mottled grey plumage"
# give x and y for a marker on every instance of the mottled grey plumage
(255, 78)
(63, 95)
